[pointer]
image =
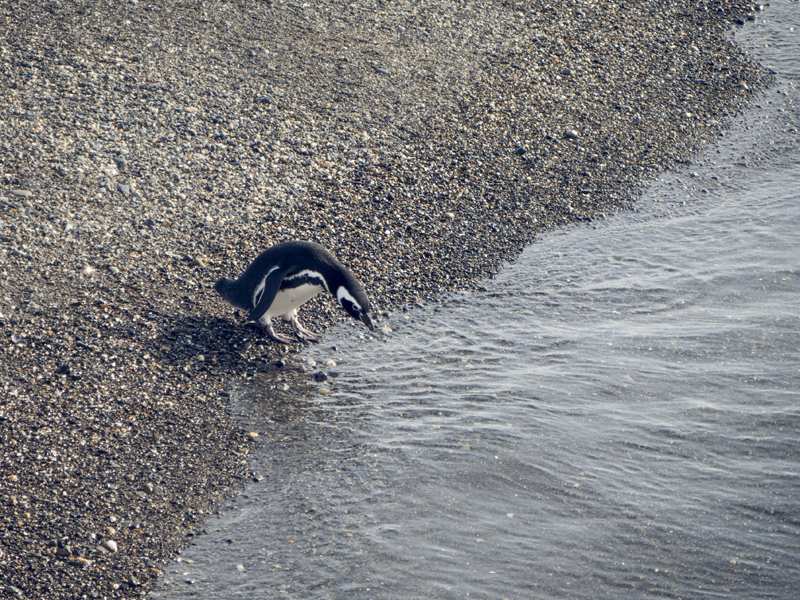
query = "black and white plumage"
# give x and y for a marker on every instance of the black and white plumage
(286, 276)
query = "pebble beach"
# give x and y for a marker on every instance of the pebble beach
(151, 147)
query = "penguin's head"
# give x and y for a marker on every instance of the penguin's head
(354, 300)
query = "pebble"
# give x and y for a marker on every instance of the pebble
(82, 563)
(21, 193)
(110, 545)
(320, 376)
(571, 134)
(148, 487)
(253, 436)
(124, 189)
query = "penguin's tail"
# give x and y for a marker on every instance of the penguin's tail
(224, 288)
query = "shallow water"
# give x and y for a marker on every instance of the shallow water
(615, 415)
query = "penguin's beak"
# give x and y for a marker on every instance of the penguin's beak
(367, 321)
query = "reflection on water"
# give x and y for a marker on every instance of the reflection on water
(615, 415)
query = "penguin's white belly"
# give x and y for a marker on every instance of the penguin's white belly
(290, 299)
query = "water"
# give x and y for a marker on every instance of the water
(617, 415)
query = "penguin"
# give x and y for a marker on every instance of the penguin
(286, 276)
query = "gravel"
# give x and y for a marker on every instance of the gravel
(150, 148)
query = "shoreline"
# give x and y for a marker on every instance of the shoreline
(152, 149)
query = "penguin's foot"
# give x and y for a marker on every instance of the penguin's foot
(277, 337)
(301, 332)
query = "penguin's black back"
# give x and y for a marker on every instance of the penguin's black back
(297, 256)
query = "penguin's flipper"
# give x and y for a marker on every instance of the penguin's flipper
(271, 286)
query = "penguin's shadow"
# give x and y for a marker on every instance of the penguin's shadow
(212, 343)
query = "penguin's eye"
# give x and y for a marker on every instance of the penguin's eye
(350, 307)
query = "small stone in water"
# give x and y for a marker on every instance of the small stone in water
(320, 376)
(571, 134)
(240, 568)
(253, 436)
